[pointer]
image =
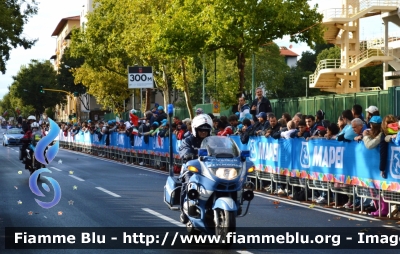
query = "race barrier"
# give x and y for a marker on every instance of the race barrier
(317, 164)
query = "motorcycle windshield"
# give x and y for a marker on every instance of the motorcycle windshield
(220, 147)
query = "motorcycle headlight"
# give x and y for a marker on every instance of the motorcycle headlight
(226, 173)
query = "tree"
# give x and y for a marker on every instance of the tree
(329, 53)
(308, 61)
(235, 27)
(371, 76)
(14, 15)
(65, 78)
(270, 69)
(29, 82)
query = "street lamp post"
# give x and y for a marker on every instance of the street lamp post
(306, 86)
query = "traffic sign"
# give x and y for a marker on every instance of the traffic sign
(140, 77)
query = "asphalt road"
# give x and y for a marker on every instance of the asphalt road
(97, 192)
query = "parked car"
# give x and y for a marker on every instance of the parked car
(12, 137)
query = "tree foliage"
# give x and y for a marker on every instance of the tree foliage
(29, 81)
(65, 79)
(14, 15)
(329, 53)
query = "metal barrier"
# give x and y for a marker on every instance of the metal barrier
(391, 198)
(318, 185)
(343, 189)
(266, 177)
(370, 193)
(298, 182)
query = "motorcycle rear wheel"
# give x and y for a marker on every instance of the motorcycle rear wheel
(226, 224)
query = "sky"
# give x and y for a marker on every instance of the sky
(42, 25)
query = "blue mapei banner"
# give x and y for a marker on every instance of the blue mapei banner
(271, 155)
(316, 159)
(342, 162)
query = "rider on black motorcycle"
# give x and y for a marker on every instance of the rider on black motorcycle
(27, 138)
(201, 128)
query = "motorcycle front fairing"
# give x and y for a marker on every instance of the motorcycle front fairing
(219, 184)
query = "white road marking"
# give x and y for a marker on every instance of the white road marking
(159, 215)
(315, 208)
(392, 227)
(108, 192)
(244, 252)
(77, 178)
(56, 169)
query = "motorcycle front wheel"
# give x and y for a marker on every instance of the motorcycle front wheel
(226, 224)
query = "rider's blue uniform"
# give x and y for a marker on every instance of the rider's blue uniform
(187, 151)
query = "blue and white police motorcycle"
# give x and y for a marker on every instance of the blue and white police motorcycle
(217, 190)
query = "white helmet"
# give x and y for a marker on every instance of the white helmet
(31, 118)
(34, 125)
(201, 122)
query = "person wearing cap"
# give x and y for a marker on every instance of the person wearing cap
(371, 111)
(372, 137)
(199, 111)
(261, 124)
(75, 129)
(260, 104)
(161, 115)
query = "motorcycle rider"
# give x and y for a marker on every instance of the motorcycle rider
(28, 137)
(201, 128)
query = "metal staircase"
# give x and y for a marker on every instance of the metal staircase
(342, 29)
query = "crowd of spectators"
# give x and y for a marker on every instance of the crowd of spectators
(352, 125)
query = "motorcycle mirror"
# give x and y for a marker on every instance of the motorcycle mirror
(202, 152)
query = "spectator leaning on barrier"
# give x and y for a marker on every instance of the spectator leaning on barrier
(301, 131)
(274, 127)
(233, 121)
(373, 138)
(260, 104)
(341, 123)
(347, 117)
(243, 108)
(224, 129)
(161, 115)
(296, 119)
(261, 125)
(357, 113)
(332, 131)
(312, 125)
(357, 126)
(320, 118)
(371, 111)
(387, 120)
(246, 132)
(291, 126)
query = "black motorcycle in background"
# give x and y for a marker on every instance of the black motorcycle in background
(27, 154)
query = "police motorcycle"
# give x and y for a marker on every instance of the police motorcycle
(217, 190)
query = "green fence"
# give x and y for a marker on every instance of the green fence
(387, 101)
